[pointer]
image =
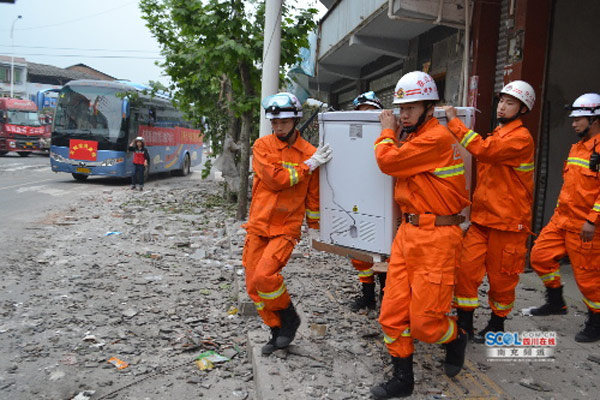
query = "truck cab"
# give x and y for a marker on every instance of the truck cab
(20, 128)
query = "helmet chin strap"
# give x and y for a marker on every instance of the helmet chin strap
(415, 127)
(289, 134)
(586, 131)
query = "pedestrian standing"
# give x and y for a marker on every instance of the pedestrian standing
(431, 192)
(140, 162)
(365, 102)
(285, 189)
(572, 229)
(496, 242)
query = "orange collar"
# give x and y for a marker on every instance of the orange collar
(591, 143)
(511, 126)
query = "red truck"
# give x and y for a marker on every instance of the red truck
(20, 127)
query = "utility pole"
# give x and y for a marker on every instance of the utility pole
(271, 57)
(12, 56)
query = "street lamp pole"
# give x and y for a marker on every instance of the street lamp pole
(12, 55)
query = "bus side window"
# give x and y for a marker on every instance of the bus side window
(152, 116)
(134, 124)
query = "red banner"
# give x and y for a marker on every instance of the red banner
(158, 136)
(86, 150)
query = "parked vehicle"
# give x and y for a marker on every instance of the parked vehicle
(20, 127)
(96, 120)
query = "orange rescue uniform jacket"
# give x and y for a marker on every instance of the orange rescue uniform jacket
(429, 170)
(284, 189)
(579, 198)
(504, 194)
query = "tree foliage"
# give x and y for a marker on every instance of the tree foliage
(208, 43)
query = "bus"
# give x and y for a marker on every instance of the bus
(20, 127)
(95, 121)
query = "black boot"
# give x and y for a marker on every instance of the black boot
(555, 304)
(591, 330)
(455, 353)
(366, 300)
(270, 346)
(465, 322)
(495, 324)
(402, 382)
(381, 277)
(290, 321)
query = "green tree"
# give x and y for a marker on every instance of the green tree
(213, 55)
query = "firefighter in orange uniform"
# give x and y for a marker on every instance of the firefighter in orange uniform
(496, 242)
(365, 102)
(431, 191)
(286, 187)
(572, 229)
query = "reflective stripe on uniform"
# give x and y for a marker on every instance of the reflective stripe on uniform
(467, 301)
(447, 172)
(448, 335)
(591, 304)
(292, 171)
(501, 306)
(405, 333)
(365, 273)
(578, 161)
(526, 167)
(596, 207)
(550, 277)
(468, 138)
(273, 295)
(310, 214)
(387, 339)
(259, 306)
(384, 141)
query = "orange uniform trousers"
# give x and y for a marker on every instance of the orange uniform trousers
(365, 271)
(553, 244)
(419, 286)
(500, 254)
(263, 259)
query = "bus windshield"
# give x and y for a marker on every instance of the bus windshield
(22, 117)
(89, 111)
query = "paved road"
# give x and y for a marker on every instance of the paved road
(29, 190)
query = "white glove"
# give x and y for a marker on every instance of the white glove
(321, 156)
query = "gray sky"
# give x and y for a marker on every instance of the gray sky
(107, 35)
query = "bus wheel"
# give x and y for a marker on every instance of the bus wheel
(80, 177)
(185, 168)
(23, 153)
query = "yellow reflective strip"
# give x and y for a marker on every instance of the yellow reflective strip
(384, 141)
(578, 161)
(387, 339)
(273, 295)
(467, 301)
(527, 167)
(310, 214)
(448, 333)
(405, 333)
(596, 207)
(259, 306)
(591, 304)
(290, 164)
(550, 277)
(500, 306)
(365, 273)
(295, 174)
(468, 138)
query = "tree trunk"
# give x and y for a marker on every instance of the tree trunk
(244, 143)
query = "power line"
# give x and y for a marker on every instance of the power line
(92, 56)
(80, 49)
(74, 20)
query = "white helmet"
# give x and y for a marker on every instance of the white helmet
(369, 99)
(282, 105)
(586, 105)
(522, 91)
(141, 139)
(415, 86)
